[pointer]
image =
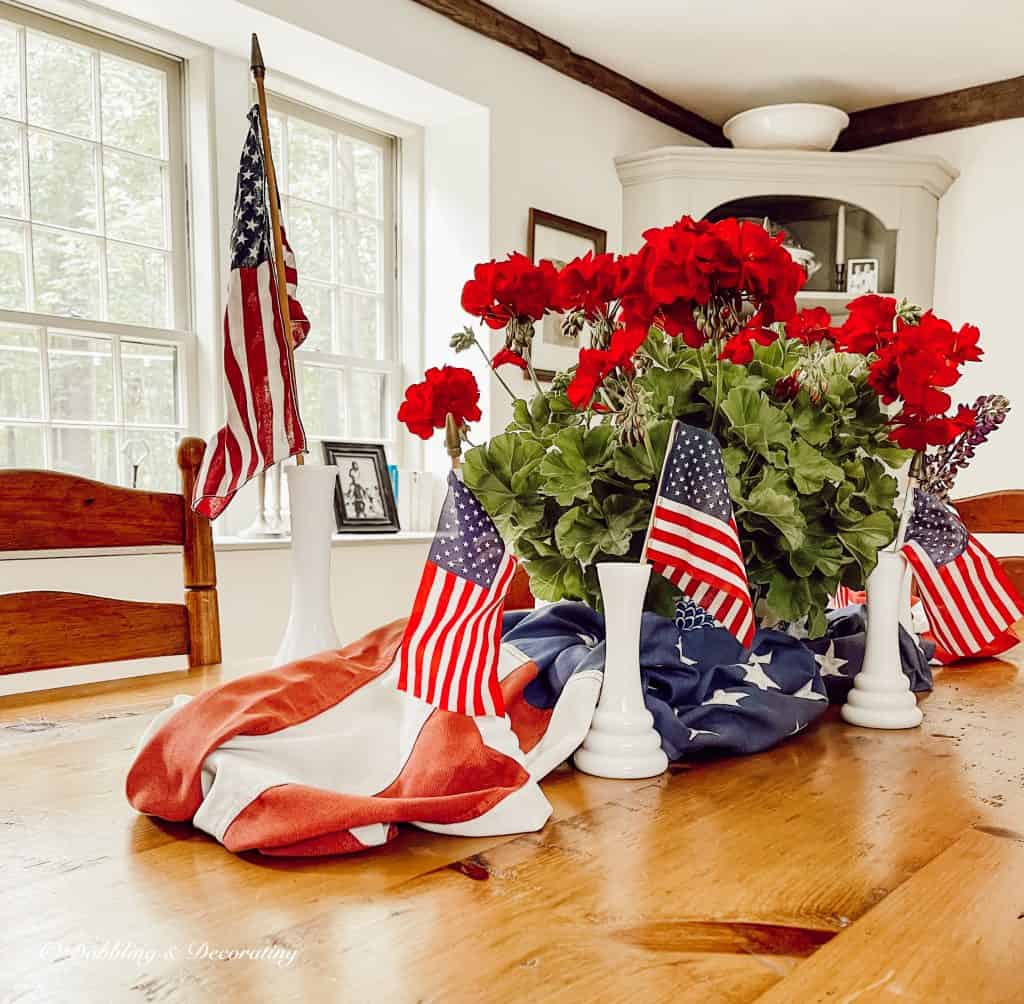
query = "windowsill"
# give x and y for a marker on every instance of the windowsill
(223, 544)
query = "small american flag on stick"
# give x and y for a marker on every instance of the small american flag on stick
(692, 540)
(263, 425)
(449, 653)
(967, 597)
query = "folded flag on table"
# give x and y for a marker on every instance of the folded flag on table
(969, 601)
(263, 424)
(692, 540)
(449, 653)
(847, 597)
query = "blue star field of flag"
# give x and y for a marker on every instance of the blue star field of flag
(937, 529)
(467, 542)
(695, 474)
(250, 233)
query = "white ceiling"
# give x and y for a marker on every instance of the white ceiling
(718, 57)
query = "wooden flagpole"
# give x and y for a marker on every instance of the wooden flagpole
(259, 71)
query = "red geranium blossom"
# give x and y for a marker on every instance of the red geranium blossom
(869, 324)
(740, 348)
(450, 389)
(515, 287)
(506, 357)
(811, 325)
(586, 284)
(917, 432)
(593, 366)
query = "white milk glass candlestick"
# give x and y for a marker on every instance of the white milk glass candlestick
(881, 697)
(622, 741)
(311, 622)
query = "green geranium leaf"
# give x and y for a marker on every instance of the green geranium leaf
(567, 472)
(643, 461)
(788, 598)
(867, 538)
(810, 468)
(490, 470)
(756, 422)
(556, 579)
(813, 424)
(892, 456)
(769, 501)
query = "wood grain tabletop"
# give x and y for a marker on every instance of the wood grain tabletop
(844, 865)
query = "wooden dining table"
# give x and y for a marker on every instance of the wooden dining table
(844, 865)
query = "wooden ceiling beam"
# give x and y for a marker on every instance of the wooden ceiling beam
(970, 106)
(492, 23)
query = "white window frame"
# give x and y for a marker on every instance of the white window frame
(181, 332)
(389, 316)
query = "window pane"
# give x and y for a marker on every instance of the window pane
(60, 85)
(137, 286)
(309, 161)
(12, 189)
(316, 302)
(359, 326)
(81, 378)
(133, 105)
(309, 233)
(367, 416)
(158, 468)
(133, 196)
(149, 376)
(67, 273)
(358, 252)
(22, 446)
(10, 73)
(91, 453)
(21, 374)
(12, 266)
(323, 400)
(63, 179)
(276, 144)
(360, 176)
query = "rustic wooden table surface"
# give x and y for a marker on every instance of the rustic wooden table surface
(844, 865)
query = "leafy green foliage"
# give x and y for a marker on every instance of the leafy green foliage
(812, 498)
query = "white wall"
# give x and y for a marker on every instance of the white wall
(497, 132)
(978, 279)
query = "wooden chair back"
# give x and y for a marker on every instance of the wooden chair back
(997, 512)
(47, 510)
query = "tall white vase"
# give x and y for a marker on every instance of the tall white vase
(622, 741)
(881, 697)
(310, 622)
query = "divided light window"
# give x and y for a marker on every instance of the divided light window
(93, 291)
(337, 185)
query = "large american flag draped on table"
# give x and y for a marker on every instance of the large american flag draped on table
(449, 653)
(967, 597)
(263, 425)
(692, 539)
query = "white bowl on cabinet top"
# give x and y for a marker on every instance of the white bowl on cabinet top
(787, 127)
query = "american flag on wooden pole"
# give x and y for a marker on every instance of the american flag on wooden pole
(263, 424)
(449, 653)
(967, 597)
(692, 539)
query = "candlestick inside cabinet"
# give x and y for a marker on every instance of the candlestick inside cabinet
(841, 248)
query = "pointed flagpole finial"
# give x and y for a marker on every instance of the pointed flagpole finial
(256, 58)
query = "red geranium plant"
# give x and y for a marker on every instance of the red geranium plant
(701, 324)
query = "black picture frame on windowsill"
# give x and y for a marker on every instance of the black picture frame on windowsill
(364, 501)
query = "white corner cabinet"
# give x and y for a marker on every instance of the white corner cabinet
(889, 207)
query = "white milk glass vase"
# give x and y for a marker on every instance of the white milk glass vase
(622, 741)
(310, 621)
(881, 697)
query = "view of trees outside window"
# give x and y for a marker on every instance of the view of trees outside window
(91, 356)
(336, 182)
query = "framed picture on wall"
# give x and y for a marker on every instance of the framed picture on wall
(364, 501)
(558, 240)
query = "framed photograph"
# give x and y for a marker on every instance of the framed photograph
(862, 275)
(558, 240)
(364, 501)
